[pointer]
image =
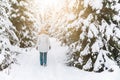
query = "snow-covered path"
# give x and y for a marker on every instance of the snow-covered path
(29, 68)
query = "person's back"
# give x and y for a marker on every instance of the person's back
(43, 43)
(43, 47)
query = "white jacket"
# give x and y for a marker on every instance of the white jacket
(43, 43)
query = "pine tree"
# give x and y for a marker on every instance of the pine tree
(23, 19)
(7, 35)
(93, 36)
(90, 29)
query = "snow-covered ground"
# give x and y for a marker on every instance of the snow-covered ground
(28, 68)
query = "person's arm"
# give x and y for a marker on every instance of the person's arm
(49, 43)
(37, 44)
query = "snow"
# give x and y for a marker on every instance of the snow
(109, 31)
(96, 46)
(1, 58)
(96, 4)
(103, 60)
(71, 16)
(28, 67)
(90, 35)
(88, 65)
(93, 29)
(85, 51)
(117, 32)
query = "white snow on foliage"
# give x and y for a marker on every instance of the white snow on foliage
(96, 4)
(85, 51)
(96, 46)
(93, 29)
(102, 58)
(88, 64)
(28, 67)
(1, 58)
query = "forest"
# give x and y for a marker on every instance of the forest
(89, 28)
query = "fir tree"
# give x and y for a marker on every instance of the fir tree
(23, 19)
(7, 35)
(93, 35)
(96, 48)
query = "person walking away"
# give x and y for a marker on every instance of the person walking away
(43, 47)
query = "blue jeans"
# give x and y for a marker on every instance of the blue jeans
(43, 58)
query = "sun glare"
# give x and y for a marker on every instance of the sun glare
(46, 8)
(50, 4)
(49, 11)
